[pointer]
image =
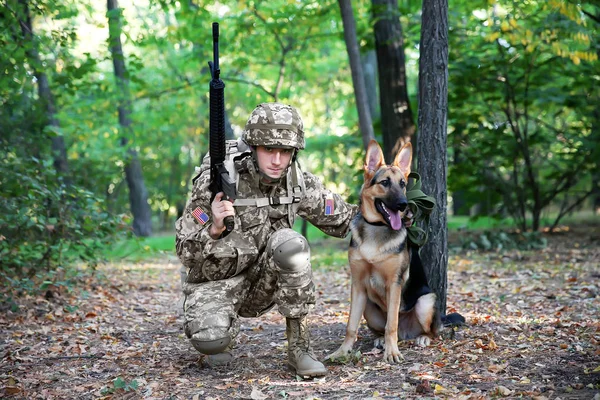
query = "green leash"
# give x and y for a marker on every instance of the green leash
(421, 206)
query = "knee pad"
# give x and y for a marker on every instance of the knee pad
(211, 347)
(292, 254)
(210, 335)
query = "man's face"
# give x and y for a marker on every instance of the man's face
(272, 161)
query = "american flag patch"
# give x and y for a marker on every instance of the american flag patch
(329, 206)
(200, 215)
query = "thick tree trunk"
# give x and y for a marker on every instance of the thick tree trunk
(358, 80)
(138, 195)
(59, 152)
(397, 122)
(432, 157)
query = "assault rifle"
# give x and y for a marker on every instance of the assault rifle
(220, 180)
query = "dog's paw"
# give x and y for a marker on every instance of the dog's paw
(423, 341)
(379, 343)
(392, 356)
(341, 355)
(391, 353)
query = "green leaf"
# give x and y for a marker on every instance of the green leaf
(119, 383)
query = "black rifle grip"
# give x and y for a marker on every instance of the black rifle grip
(229, 223)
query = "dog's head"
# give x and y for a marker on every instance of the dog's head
(383, 195)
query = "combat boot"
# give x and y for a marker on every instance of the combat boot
(220, 359)
(300, 354)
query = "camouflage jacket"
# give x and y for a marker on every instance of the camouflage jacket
(253, 225)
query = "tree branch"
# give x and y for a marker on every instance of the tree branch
(567, 210)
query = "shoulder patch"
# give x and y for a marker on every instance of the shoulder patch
(329, 205)
(200, 215)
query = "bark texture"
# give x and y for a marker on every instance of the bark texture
(397, 122)
(432, 139)
(358, 80)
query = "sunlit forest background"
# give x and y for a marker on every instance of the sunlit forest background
(104, 108)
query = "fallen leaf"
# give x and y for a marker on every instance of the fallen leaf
(497, 368)
(504, 391)
(257, 394)
(10, 390)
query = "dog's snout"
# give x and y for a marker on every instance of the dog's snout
(402, 205)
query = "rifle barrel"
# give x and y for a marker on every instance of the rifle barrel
(215, 28)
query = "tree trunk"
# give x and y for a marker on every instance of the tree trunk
(369, 65)
(432, 157)
(59, 152)
(138, 195)
(358, 80)
(397, 124)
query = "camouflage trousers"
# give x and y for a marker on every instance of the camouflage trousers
(212, 309)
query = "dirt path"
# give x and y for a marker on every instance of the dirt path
(533, 331)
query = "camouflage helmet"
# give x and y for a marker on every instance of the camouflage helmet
(275, 125)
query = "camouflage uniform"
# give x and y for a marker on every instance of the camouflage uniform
(237, 275)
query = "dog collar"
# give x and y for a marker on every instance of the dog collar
(374, 223)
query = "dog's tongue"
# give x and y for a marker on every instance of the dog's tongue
(395, 220)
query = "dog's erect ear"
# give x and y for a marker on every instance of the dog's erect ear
(403, 159)
(374, 158)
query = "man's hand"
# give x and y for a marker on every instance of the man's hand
(408, 218)
(220, 209)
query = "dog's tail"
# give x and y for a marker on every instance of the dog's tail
(421, 316)
(422, 319)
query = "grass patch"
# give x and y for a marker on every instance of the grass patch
(138, 249)
(460, 222)
(326, 251)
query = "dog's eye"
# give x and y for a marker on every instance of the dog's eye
(385, 183)
(402, 184)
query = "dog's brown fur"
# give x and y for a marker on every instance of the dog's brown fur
(381, 266)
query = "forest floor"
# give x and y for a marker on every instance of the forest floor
(532, 331)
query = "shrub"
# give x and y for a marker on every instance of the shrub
(44, 222)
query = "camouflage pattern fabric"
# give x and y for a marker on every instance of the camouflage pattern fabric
(274, 124)
(235, 275)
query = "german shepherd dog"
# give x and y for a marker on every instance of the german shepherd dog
(389, 286)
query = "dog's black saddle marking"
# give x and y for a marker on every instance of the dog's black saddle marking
(417, 285)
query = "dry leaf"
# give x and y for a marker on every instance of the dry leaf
(504, 391)
(497, 368)
(257, 394)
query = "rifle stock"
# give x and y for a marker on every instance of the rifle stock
(220, 181)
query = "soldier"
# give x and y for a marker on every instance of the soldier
(262, 262)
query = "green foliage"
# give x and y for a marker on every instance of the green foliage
(139, 249)
(46, 223)
(120, 385)
(524, 132)
(531, 66)
(498, 240)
